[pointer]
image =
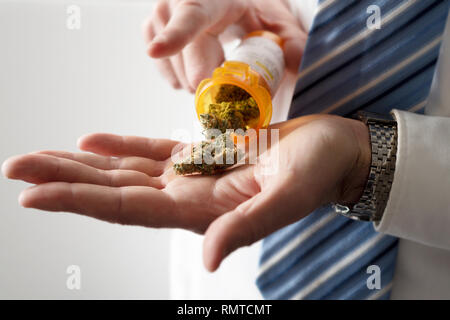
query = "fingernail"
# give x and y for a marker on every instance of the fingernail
(21, 200)
(3, 169)
(80, 141)
(159, 39)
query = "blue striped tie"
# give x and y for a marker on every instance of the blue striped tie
(348, 67)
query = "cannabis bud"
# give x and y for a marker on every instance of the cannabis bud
(233, 109)
(210, 156)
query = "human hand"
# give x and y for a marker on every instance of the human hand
(129, 180)
(184, 34)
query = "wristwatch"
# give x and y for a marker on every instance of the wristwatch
(383, 140)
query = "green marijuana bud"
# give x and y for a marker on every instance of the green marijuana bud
(229, 92)
(234, 109)
(210, 156)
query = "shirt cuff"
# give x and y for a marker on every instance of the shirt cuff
(418, 207)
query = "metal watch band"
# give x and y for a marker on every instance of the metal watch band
(383, 139)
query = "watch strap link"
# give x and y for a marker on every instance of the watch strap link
(383, 139)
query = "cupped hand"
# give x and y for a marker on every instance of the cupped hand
(184, 34)
(129, 180)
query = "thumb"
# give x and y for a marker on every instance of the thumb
(294, 46)
(249, 222)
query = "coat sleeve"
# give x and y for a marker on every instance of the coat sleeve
(418, 208)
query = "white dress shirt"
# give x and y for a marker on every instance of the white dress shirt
(418, 209)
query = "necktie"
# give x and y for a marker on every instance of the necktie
(350, 66)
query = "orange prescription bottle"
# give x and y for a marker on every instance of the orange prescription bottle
(257, 66)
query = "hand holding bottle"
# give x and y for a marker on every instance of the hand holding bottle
(186, 36)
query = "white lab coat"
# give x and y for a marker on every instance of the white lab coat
(418, 210)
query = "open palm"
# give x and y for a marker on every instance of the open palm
(129, 180)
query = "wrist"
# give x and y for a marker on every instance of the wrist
(355, 179)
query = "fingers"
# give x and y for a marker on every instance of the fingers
(294, 45)
(113, 145)
(177, 62)
(175, 24)
(148, 166)
(41, 168)
(157, 21)
(126, 205)
(190, 18)
(171, 68)
(155, 25)
(166, 69)
(195, 63)
(201, 57)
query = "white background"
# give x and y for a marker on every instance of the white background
(55, 85)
